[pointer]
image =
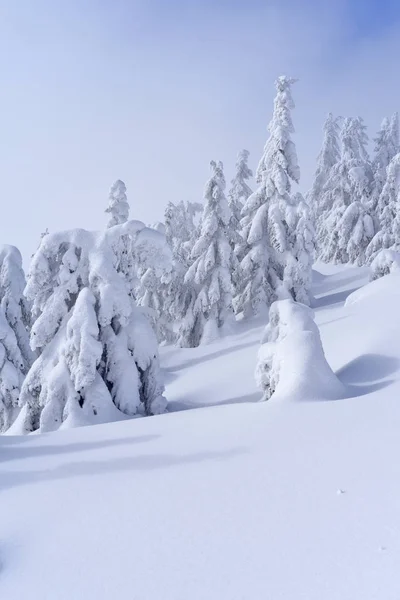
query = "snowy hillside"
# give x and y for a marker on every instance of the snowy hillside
(240, 501)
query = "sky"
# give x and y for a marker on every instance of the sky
(149, 91)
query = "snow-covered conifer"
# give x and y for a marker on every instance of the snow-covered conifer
(298, 268)
(291, 361)
(384, 263)
(240, 189)
(386, 147)
(15, 353)
(348, 229)
(210, 308)
(98, 358)
(328, 156)
(118, 206)
(269, 215)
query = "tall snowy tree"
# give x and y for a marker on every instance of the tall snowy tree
(98, 358)
(270, 216)
(15, 353)
(388, 209)
(210, 309)
(327, 158)
(240, 189)
(348, 227)
(118, 207)
(386, 147)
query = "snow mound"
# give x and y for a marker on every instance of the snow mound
(291, 360)
(386, 288)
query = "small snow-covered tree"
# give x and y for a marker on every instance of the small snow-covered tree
(298, 268)
(98, 358)
(384, 263)
(269, 215)
(347, 229)
(291, 361)
(210, 308)
(118, 207)
(327, 158)
(15, 353)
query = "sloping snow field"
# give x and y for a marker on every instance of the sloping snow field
(241, 501)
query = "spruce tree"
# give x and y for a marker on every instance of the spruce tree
(209, 308)
(270, 216)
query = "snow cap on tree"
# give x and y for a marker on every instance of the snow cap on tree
(118, 206)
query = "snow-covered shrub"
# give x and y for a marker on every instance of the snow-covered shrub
(98, 356)
(210, 307)
(118, 206)
(385, 262)
(15, 353)
(291, 360)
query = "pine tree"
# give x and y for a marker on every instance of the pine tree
(98, 358)
(327, 158)
(118, 206)
(15, 353)
(348, 228)
(210, 308)
(270, 216)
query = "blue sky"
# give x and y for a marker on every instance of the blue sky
(150, 91)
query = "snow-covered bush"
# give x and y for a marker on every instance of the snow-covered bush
(98, 357)
(118, 206)
(210, 307)
(270, 217)
(15, 353)
(291, 361)
(385, 262)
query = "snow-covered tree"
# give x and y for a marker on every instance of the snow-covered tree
(388, 209)
(386, 147)
(118, 206)
(298, 268)
(384, 263)
(327, 158)
(98, 358)
(239, 191)
(270, 216)
(210, 308)
(180, 228)
(291, 361)
(348, 228)
(15, 353)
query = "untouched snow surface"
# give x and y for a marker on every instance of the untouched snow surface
(241, 501)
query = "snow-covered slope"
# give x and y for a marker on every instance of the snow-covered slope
(240, 501)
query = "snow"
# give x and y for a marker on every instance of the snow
(235, 500)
